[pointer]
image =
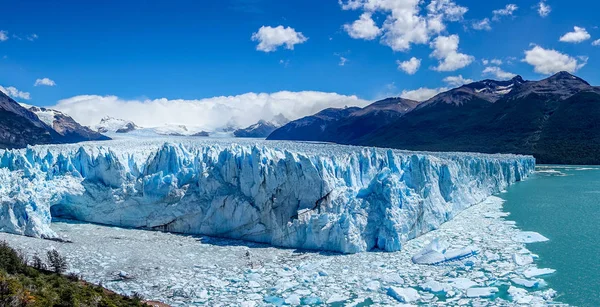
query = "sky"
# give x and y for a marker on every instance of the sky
(212, 63)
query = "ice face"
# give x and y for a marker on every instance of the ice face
(311, 196)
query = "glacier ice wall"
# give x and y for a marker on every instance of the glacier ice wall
(324, 197)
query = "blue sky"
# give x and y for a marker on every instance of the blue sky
(140, 50)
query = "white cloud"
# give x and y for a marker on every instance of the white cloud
(577, 36)
(549, 61)
(44, 81)
(406, 22)
(15, 93)
(485, 61)
(423, 93)
(269, 38)
(209, 114)
(482, 25)
(457, 81)
(544, 9)
(446, 51)
(411, 66)
(32, 37)
(363, 28)
(596, 42)
(498, 73)
(447, 8)
(343, 61)
(496, 62)
(3, 36)
(507, 11)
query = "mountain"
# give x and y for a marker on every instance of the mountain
(115, 125)
(20, 127)
(553, 119)
(70, 130)
(344, 125)
(262, 129)
(311, 128)
(556, 119)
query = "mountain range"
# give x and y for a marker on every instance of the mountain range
(21, 126)
(556, 119)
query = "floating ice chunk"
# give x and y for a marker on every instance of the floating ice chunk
(462, 283)
(373, 286)
(436, 287)
(535, 272)
(336, 298)
(437, 252)
(522, 259)
(293, 299)
(519, 295)
(529, 237)
(528, 283)
(403, 295)
(481, 292)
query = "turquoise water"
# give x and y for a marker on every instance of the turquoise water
(565, 207)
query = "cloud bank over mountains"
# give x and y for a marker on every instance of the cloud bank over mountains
(210, 113)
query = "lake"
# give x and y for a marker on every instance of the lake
(563, 204)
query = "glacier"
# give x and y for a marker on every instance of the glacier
(299, 195)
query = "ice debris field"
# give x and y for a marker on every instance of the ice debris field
(299, 195)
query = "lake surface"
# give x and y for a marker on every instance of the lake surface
(563, 204)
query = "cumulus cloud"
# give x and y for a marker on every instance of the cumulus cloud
(544, 9)
(209, 114)
(445, 49)
(482, 25)
(269, 38)
(577, 36)
(549, 61)
(498, 73)
(423, 93)
(15, 93)
(506, 11)
(406, 22)
(363, 28)
(496, 62)
(457, 81)
(3, 36)
(596, 42)
(411, 66)
(44, 81)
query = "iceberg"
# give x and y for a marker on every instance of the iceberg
(437, 252)
(311, 196)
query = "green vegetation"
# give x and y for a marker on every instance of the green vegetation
(25, 285)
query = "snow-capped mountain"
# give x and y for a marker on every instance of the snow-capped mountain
(65, 125)
(22, 125)
(262, 129)
(115, 125)
(487, 90)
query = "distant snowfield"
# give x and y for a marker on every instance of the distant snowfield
(195, 270)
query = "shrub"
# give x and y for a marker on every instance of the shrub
(37, 263)
(57, 263)
(10, 260)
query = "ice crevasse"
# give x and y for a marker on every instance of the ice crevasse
(311, 196)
